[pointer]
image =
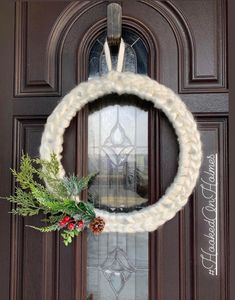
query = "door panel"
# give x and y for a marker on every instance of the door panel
(210, 206)
(46, 53)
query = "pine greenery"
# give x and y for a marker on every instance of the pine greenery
(56, 201)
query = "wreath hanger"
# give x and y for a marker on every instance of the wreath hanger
(120, 59)
(114, 24)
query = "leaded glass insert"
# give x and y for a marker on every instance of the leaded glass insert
(118, 149)
(117, 265)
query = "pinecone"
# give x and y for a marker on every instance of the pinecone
(97, 225)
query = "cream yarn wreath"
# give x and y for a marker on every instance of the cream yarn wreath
(190, 156)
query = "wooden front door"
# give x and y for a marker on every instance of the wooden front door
(47, 48)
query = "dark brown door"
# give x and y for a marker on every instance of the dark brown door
(48, 47)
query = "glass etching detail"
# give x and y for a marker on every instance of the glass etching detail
(117, 145)
(117, 269)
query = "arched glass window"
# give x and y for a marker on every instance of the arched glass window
(135, 55)
(117, 265)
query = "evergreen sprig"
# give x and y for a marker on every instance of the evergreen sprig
(57, 200)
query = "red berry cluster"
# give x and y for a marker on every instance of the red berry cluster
(71, 223)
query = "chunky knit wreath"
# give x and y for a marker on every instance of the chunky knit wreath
(190, 156)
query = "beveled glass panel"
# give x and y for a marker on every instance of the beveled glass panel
(118, 153)
(117, 264)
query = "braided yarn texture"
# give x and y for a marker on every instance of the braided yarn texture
(190, 155)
